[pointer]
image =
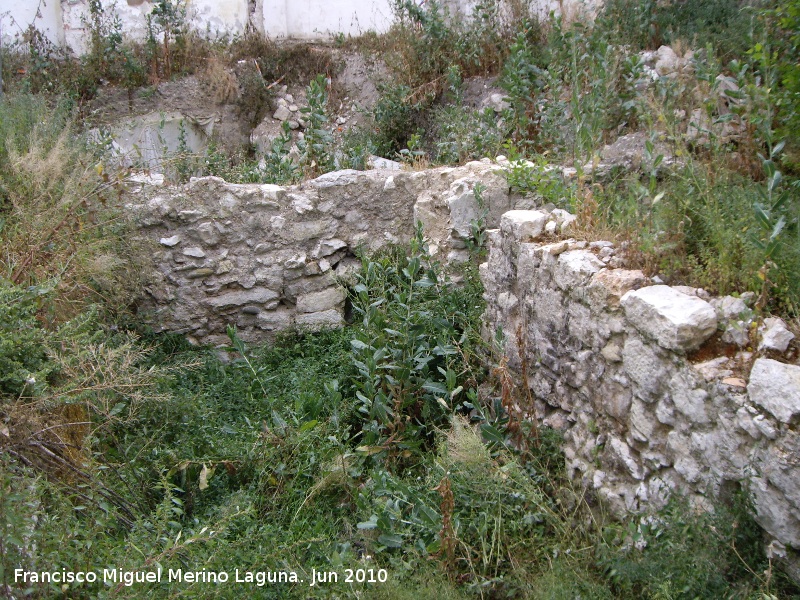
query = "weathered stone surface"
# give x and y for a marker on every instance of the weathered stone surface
(575, 267)
(775, 386)
(609, 285)
(676, 321)
(318, 320)
(240, 298)
(775, 335)
(170, 242)
(320, 301)
(638, 419)
(524, 225)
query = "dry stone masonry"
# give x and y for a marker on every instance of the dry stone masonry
(627, 371)
(266, 257)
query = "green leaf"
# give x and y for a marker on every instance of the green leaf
(391, 540)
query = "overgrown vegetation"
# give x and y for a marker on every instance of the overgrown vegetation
(395, 443)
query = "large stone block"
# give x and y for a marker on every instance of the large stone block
(242, 297)
(332, 297)
(523, 225)
(673, 319)
(775, 386)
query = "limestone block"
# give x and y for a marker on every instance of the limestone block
(775, 335)
(328, 247)
(645, 368)
(575, 267)
(774, 513)
(194, 252)
(523, 225)
(622, 455)
(688, 399)
(320, 301)
(274, 320)
(729, 307)
(318, 320)
(775, 386)
(676, 321)
(242, 297)
(282, 113)
(463, 208)
(609, 285)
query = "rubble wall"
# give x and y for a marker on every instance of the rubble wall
(649, 397)
(268, 257)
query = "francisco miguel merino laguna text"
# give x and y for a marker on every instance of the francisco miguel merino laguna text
(129, 578)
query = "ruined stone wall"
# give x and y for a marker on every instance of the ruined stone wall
(267, 257)
(649, 393)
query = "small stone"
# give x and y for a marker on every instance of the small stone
(612, 352)
(289, 97)
(224, 266)
(550, 228)
(198, 273)
(194, 252)
(282, 114)
(341, 121)
(170, 242)
(294, 124)
(293, 107)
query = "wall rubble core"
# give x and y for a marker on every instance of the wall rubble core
(610, 365)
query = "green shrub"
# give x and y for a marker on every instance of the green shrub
(727, 25)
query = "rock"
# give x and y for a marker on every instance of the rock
(774, 335)
(737, 333)
(170, 242)
(609, 285)
(575, 267)
(321, 301)
(676, 321)
(240, 298)
(208, 233)
(729, 307)
(376, 162)
(463, 209)
(523, 225)
(282, 114)
(775, 386)
(328, 247)
(623, 456)
(319, 320)
(497, 103)
(194, 252)
(667, 62)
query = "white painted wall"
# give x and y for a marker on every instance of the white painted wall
(63, 21)
(320, 19)
(17, 15)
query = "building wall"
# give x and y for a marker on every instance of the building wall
(63, 21)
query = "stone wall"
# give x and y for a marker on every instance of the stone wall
(652, 386)
(266, 257)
